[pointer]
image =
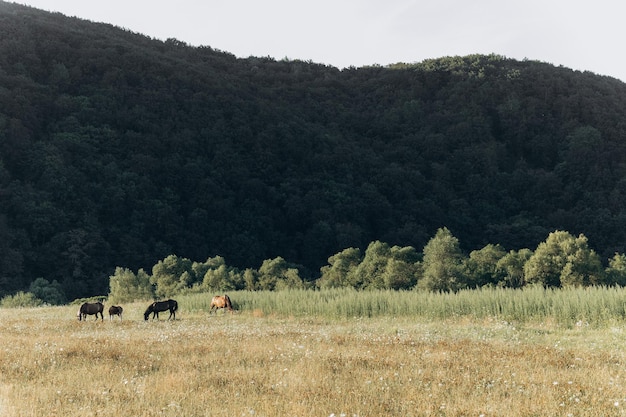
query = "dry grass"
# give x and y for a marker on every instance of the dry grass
(249, 364)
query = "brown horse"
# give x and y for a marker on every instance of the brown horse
(159, 306)
(115, 311)
(221, 301)
(91, 308)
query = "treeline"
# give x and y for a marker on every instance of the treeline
(118, 149)
(562, 260)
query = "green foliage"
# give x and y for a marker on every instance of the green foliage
(20, 299)
(616, 271)
(370, 272)
(443, 263)
(481, 267)
(510, 268)
(381, 267)
(444, 268)
(48, 292)
(400, 274)
(277, 274)
(338, 271)
(171, 275)
(217, 279)
(250, 279)
(564, 260)
(126, 286)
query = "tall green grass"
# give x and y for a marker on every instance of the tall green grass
(597, 306)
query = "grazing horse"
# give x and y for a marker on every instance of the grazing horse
(221, 301)
(115, 311)
(159, 306)
(91, 308)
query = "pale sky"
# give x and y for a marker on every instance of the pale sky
(582, 35)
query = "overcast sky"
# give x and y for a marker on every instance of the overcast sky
(582, 35)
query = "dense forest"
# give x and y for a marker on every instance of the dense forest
(118, 150)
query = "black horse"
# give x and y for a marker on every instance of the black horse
(115, 311)
(91, 308)
(159, 306)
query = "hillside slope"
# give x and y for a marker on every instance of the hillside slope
(118, 150)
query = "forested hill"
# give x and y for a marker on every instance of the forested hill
(118, 150)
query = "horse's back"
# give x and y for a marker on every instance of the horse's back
(221, 301)
(91, 308)
(116, 311)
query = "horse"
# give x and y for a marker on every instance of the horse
(91, 308)
(159, 306)
(221, 301)
(115, 311)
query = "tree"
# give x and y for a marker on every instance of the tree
(20, 299)
(275, 274)
(583, 267)
(339, 268)
(250, 279)
(481, 266)
(167, 274)
(511, 268)
(443, 263)
(125, 286)
(400, 275)
(217, 276)
(48, 292)
(290, 280)
(616, 271)
(370, 271)
(564, 260)
(403, 268)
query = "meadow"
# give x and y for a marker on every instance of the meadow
(331, 353)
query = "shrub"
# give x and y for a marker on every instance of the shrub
(21, 299)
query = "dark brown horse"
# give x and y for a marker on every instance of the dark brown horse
(115, 311)
(91, 308)
(159, 306)
(221, 301)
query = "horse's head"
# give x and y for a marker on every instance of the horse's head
(149, 310)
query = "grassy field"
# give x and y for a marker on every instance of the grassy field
(264, 362)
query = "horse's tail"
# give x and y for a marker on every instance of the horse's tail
(175, 306)
(229, 305)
